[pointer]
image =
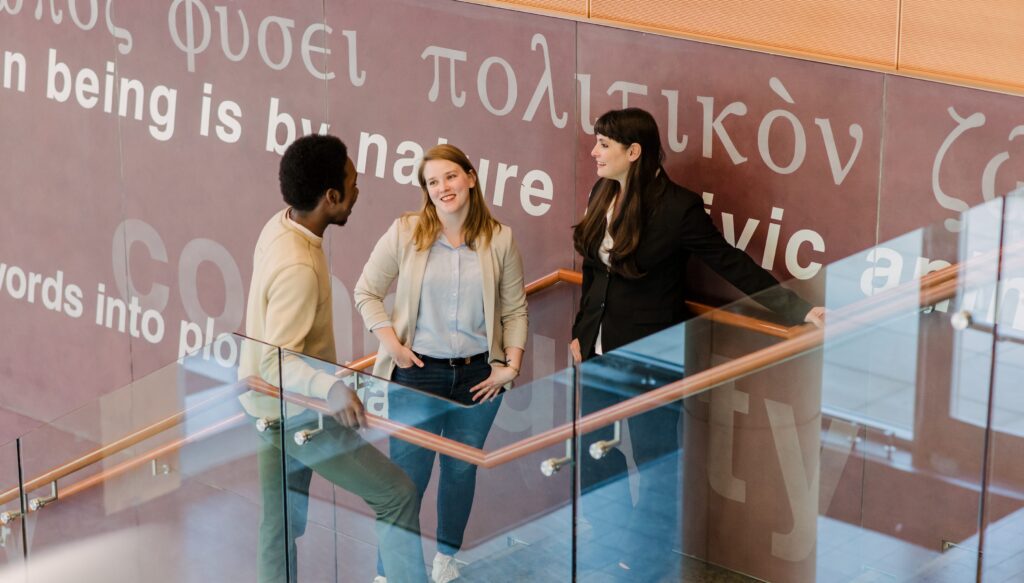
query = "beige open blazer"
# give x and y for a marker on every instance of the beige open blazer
(395, 256)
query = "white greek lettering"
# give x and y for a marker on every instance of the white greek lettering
(188, 45)
(57, 16)
(988, 177)
(121, 34)
(453, 56)
(308, 48)
(94, 14)
(714, 126)
(585, 123)
(510, 77)
(627, 89)
(545, 86)
(764, 133)
(839, 171)
(284, 25)
(13, 8)
(674, 143)
(357, 77)
(975, 120)
(225, 35)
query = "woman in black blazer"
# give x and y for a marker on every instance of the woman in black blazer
(637, 236)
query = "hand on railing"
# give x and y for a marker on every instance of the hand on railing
(816, 316)
(574, 350)
(345, 406)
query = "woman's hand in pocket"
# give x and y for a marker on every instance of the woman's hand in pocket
(404, 357)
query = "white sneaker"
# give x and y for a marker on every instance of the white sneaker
(445, 569)
(380, 579)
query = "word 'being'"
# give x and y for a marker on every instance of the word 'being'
(90, 91)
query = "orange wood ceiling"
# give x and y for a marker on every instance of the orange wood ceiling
(967, 42)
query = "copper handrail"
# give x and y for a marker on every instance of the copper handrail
(930, 289)
(111, 448)
(476, 456)
(412, 435)
(175, 445)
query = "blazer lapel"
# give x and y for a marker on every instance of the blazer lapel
(417, 267)
(484, 256)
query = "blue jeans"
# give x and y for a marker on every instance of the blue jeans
(461, 421)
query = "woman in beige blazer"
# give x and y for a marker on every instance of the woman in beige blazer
(457, 330)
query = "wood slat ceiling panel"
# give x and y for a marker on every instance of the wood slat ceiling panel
(980, 40)
(863, 32)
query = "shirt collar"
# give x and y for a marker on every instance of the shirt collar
(295, 225)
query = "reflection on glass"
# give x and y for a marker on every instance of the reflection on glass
(326, 443)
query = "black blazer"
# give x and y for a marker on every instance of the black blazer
(675, 227)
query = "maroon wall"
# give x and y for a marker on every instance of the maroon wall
(801, 163)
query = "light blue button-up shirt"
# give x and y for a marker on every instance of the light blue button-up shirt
(451, 322)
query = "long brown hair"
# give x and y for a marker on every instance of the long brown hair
(625, 126)
(479, 224)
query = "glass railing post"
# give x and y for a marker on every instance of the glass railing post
(1002, 481)
(12, 512)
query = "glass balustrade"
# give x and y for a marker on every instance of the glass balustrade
(156, 481)
(430, 474)
(881, 447)
(1001, 309)
(855, 452)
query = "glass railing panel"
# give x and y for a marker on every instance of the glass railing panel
(1003, 516)
(157, 481)
(630, 470)
(12, 534)
(432, 473)
(900, 464)
(782, 474)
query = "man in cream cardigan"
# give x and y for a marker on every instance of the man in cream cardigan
(289, 306)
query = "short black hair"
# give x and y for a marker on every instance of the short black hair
(310, 166)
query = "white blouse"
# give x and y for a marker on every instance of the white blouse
(604, 254)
